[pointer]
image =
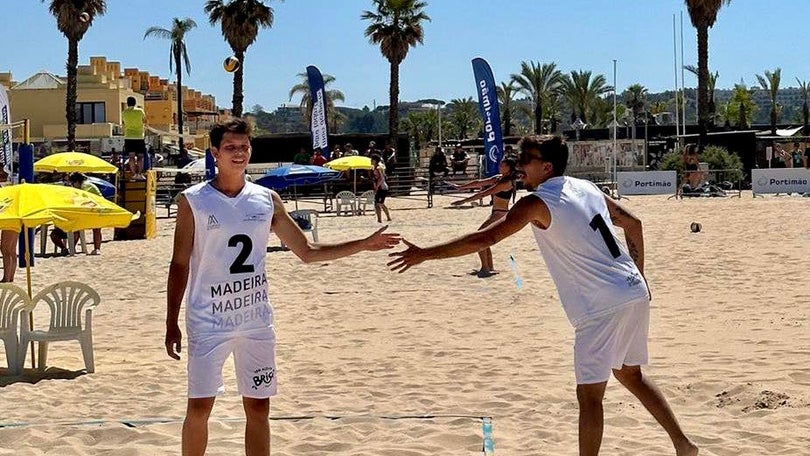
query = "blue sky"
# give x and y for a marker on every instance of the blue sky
(749, 37)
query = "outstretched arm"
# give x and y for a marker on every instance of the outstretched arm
(291, 235)
(529, 209)
(498, 187)
(478, 183)
(633, 235)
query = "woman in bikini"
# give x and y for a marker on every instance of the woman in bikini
(502, 189)
(690, 163)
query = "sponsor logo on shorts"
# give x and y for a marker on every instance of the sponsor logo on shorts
(263, 376)
(213, 223)
(633, 279)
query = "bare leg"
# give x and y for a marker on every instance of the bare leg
(133, 164)
(591, 417)
(8, 246)
(650, 396)
(486, 254)
(377, 211)
(96, 241)
(195, 426)
(257, 428)
(385, 209)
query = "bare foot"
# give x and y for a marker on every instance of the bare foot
(687, 449)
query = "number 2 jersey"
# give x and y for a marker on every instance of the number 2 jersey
(227, 287)
(592, 270)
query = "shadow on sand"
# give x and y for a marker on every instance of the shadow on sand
(34, 376)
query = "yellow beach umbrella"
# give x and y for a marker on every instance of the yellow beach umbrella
(68, 162)
(353, 163)
(67, 208)
(349, 162)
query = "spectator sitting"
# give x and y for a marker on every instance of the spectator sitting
(372, 149)
(348, 150)
(302, 157)
(318, 159)
(692, 176)
(182, 161)
(389, 156)
(459, 160)
(78, 180)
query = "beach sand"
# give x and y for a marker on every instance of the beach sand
(363, 353)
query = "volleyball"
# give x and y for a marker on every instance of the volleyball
(84, 17)
(231, 64)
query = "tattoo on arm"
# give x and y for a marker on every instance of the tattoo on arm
(618, 214)
(633, 250)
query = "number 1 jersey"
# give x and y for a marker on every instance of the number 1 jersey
(227, 287)
(592, 270)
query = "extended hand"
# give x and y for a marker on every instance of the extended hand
(380, 240)
(173, 338)
(412, 256)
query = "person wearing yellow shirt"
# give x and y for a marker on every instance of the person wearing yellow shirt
(134, 119)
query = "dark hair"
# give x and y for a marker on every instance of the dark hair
(691, 149)
(552, 149)
(511, 162)
(130, 101)
(77, 178)
(376, 158)
(235, 125)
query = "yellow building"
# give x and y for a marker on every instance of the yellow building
(103, 89)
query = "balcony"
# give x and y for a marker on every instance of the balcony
(83, 131)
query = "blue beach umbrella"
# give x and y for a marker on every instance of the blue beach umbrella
(107, 189)
(294, 175)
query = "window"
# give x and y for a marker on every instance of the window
(88, 113)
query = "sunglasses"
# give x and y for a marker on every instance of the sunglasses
(525, 159)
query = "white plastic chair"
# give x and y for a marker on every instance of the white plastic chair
(307, 214)
(365, 199)
(13, 300)
(67, 300)
(346, 198)
(43, 241)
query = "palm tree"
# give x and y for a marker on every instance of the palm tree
(67, 14)
(396, 26)
(703, 14)
(741, 106)
(711, 84)
(581, 92)
(635, 98)
(463, 116)
(804, 89)
(240, 21)
(506, 97)
(332, 95)
(770, 83)
(538, 81)
(177, 56)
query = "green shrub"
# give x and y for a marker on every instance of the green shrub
(717, 158)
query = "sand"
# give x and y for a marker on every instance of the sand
(364, 353)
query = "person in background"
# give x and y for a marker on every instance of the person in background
(372, 149)
(302, 157)
(79, 180)
(796, 157)
(318, 159)
(348, 150)
(134, 119)
(459, 160)
(690, 158)
(8, 247)
(380, 188)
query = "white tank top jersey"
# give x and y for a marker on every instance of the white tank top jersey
(227, 287)
(592, 270)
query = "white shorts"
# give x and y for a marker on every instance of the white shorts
(610, 342)
(254, 358)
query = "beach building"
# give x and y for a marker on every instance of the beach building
(103, 88)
